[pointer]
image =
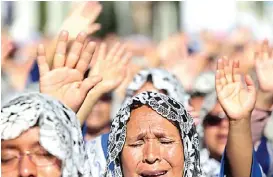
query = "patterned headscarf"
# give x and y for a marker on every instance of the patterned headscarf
(60, 132)
(168, 108)
(162, 80)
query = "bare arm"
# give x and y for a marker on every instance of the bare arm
(238, 102)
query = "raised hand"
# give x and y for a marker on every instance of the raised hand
(65, 80)
(111, 66)
(82, 19)
(264, 67)
(236, 99)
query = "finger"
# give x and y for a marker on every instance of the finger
(119, 54)
(235, 71)
(78, 9)
(265, 56)
(41, 60)
(89, 83)
(125, 60)
(265, 45)
(257, 56)
(218, 83)
(93, 28)
(112, 52)
(102, 51)
(250, 83)
(75, 51)
(220, 67)
(228, 69)
(86, 56)
(96, 10)
(59, 57)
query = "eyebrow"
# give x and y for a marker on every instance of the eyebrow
(10, 147)
(15, 147)
(158, 134)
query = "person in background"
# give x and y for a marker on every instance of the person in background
(40, 136)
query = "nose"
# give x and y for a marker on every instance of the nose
(151, 152)
(224, 123)
(27, 168)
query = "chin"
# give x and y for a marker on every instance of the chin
(220, 150)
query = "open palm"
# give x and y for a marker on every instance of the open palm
(111, 66)
(82, 18)
(236, 100)
(65, 81)
(264, 67)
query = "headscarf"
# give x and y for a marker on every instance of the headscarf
(161, 79)
(168, 108)
(60, 132)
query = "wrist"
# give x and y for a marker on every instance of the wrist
(245, 119)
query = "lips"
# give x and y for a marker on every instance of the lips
(155, 173)
(222, 138)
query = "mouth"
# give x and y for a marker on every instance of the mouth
(222, 138)
(153, 173)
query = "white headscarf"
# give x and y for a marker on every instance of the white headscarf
(162, 80)
(60, 132)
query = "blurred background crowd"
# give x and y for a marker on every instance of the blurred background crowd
(185, 38)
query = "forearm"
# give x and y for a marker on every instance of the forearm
(90, 100)
(239, 148)
(264, 100)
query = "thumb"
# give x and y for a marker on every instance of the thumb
(89, 83)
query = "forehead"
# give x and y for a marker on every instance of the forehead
(144, 118)
(148, 86)
(217, 109)
(25, 141)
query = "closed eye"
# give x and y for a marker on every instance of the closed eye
(136, 144)
(6, 160)
(166, 141)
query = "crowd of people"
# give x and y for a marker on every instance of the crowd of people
(128, 107)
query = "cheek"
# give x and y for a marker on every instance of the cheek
(52, 171)
(10, 174)
(130, 158)
(210, 137)
(174, 155)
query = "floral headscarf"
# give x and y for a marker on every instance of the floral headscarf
(161, 79)
(60, 132)
(168, 108)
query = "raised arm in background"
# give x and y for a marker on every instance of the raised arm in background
(237, 98)
(81, 19)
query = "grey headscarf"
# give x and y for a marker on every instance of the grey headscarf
(60, 132)
(162, 80)
(168, 108)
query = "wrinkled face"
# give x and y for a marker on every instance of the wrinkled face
(216, 132)
(153, 146)
(39, 163)
(99, 117)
